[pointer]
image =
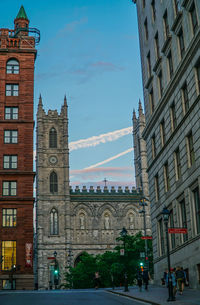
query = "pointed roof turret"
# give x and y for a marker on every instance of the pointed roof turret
(40, 107)
(22, 14)
(40, 100)
(140, 108)
(134, 115)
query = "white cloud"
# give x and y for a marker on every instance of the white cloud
(111, 158)
(102, 138)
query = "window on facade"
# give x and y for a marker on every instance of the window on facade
(160, 82)
(171, 223)
(185, 98)
(9, 162)
(190, 150)
(9, 254)
(153, 10)
(12, 66)
(170, 64)
(193, 15)
(10, 136)
(151, 100)
(177, 6)
(166, 24)
(143, 3)
(12, 89)
(53, 183)
(181, 42)
(161, 237)
(162, 133)
(146, 29)
(197, 207)
(177, 161)
(9, 188)
(157, 48)
(156, 184)
(149, 64)
(53, 138)
(166, 177)
(153, 145)
(11, 113)
(54, 222)
(183, 218)
(173, 117)
(198, 77)
(9, 217)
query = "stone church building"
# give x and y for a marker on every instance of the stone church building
(71, 221)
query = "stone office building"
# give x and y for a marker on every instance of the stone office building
(72, 221)
(169, 34)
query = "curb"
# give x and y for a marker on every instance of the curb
(132, 297)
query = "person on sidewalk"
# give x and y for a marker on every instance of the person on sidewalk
(96, 280)
(174, 284)
(146, 278)
(139, 280)
(180, 279)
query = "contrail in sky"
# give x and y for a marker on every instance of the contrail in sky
(102, 138)
(110, 159)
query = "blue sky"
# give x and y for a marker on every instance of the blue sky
(89, 50)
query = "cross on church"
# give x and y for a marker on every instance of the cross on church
(105, 181)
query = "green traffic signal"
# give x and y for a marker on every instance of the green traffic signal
(141, 264)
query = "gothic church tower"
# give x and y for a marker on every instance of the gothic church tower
(53, 220)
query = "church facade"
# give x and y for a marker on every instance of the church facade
(71, 221)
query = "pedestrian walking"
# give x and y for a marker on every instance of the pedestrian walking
(146, 278)
(96, 280)
(139, 280)
(173, 278)
(180, 277)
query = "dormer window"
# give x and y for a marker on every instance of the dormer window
(12, 66)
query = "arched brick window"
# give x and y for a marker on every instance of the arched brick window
(53, 138)
(12, 66)
(53, 183)
(54, 222)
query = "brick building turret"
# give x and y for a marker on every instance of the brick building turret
(17, 59)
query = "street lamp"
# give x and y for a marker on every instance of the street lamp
(123, 234)
(143, 203)
(166, 214)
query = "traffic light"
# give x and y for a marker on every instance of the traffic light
(142, 266)
(56, 269)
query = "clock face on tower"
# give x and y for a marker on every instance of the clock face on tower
(53, 159)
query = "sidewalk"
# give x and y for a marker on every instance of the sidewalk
(158, 295)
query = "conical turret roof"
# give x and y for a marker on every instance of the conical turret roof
(22, 14)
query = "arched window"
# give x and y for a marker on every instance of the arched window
(53, 183)
(12, 66)
(53, 138)
(54, 222)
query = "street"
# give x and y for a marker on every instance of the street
(71, 297)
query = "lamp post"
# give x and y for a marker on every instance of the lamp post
(143, 203)
(123, 234)
(166, 214)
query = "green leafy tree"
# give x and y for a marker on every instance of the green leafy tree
(110, 265)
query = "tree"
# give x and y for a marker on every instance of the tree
(110, 265)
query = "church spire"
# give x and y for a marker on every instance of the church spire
(64, 107)
(140, 108)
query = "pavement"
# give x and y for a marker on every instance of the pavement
(158, 295)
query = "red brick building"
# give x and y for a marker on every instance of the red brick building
(17, 58)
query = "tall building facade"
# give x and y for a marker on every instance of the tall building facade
(17, 58)
(169, 33)
(71, 221)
